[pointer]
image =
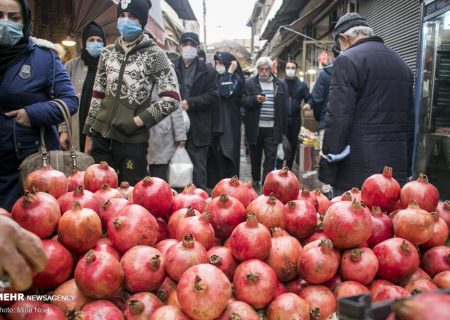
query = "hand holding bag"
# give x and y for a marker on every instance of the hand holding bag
(64, 161)
(180, 169)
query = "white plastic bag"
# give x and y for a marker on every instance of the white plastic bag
(280, 152)
(187, 121)
(180, 169)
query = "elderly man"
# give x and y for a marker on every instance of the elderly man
(369, 120)
(265, 101)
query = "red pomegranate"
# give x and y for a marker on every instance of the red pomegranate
(283, 184)
(47, 180)
(347, 224)
(305, 194)
(203, 292)
(59, 266)
(45, 312)
(98, 174)
(420, 286)
(86, 198)
(443, 209)
(106, 193)
(238, 310)
(5, 213)
(141, 306)
(424, 193)
(389, 292)
(37, 212)
(416, 275)
(442, 280)
(143, 268)
(413, 224)
(169, 313)
(359, 265)
(268, 211)
(322, 202)
(164, 245)
(284, 255)
(349, 289)
(101, 309)
(165, 289)
(226, 214)
(250, 240)
(179, 216)
(126, 190)
(20, 309)
(296, 286)
(254, 282)
(79, 229)
(234, 188)
(318, 261)
(110, 208)
(199, 227)
(381, 190)
(301, 218)
(334, 282)
(427, 306)
(75, 179)
(321, 300)
(288, 306)
(188, 198)
(155, 195)
(75, 303)
(184, 255)
(397, 259)
(346, 196)
(436, 260)
(381, 227)
(440, 233)
(98, 275)
(316, 235)
(356, 194)
(163, 231)
(378, 284)
(132, 226)
(202, 193)
(223, 259)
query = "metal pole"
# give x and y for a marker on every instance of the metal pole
(204, 25)
(305, 36)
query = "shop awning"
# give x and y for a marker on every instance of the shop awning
(284, 38)
(183, 9)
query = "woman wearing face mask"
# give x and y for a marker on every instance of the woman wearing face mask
(224, 152)
(82, 72)
(31, 76)
(122, 110)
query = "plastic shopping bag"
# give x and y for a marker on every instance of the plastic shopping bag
(180, 169)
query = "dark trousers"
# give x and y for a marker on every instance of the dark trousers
(292, 135)
(128, 159)
(218, 166)
(198, 157)
(159, 171)
(264, 143)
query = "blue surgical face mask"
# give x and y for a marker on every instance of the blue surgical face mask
(10, 33)
(94, 48)
(128, 28)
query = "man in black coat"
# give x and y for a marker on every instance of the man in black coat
(369, 122)
(198, 88)
(298, 91)
(265, 102)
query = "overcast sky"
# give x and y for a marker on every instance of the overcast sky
(225, 19)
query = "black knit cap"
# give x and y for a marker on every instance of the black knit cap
(347, 21)
(92, 29)
(139, 8)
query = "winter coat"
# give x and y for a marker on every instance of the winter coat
(319, 95)
(122, 90)
(202, 99)
(253, 107)
(28, 83)
(371, 109)
(300, 92)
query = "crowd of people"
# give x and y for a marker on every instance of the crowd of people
(128, 102)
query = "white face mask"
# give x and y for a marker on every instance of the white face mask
(220, 69)
(189, 53)
(290, 73)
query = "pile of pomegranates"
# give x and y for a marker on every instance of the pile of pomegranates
(146, 252)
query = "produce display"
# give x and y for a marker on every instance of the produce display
(147, 252)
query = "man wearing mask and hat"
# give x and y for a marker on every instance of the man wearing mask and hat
(198, 88)
(121, 110)
(369, 120)
(82, 72)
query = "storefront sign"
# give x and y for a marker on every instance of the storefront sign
(436, 6)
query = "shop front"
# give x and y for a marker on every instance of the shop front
(432, 143)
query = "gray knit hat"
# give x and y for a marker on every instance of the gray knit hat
(347, 21)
